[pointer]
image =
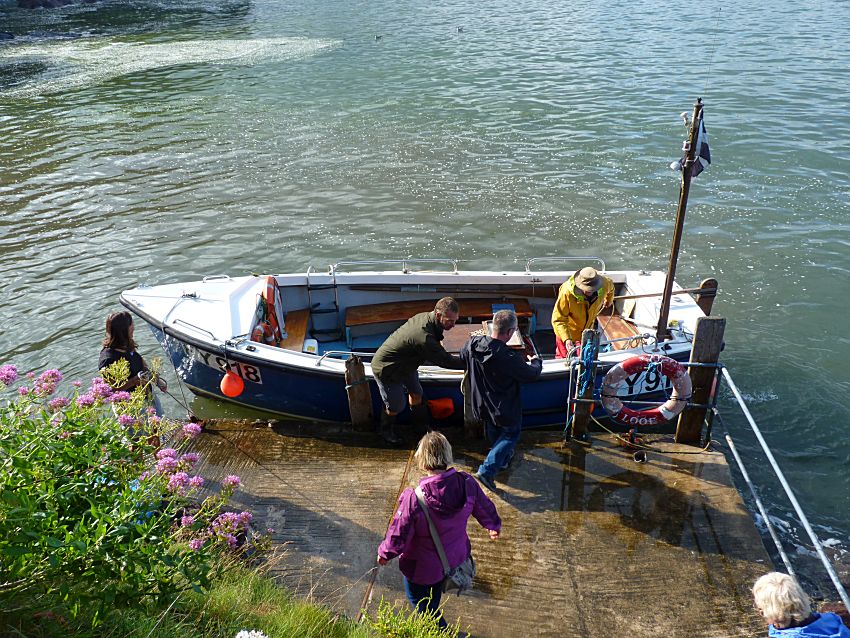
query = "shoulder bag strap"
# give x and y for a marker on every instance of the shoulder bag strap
(434, 535)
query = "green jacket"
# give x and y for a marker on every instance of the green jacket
(416, 342)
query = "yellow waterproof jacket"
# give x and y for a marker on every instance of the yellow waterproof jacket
(573, 314)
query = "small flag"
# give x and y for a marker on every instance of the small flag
(703, 156)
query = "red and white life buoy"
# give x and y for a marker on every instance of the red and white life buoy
(263, 333)
(270, 329)
(671, 369)
(272, 297)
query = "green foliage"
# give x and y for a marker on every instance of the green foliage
(393, 621)
(90, 520)
(100, 536)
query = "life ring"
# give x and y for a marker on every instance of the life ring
(274, 308)
(671, 369)
(263, 333)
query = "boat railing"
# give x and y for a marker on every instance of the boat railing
(333, 269)
(582, 260)
(194, 327)
(839, 588)
(338, 353)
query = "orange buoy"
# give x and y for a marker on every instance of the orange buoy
(232, 384)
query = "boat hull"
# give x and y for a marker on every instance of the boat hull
(320, 395)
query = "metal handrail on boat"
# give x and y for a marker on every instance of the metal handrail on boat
(348, 352)
(562, 259)
(193, 326)
(333, 268)
(842, 593)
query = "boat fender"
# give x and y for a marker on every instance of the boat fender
(671, 369)
(441, 408)
(231, 384)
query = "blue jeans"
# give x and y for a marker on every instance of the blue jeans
(504, 442)
(419, 595)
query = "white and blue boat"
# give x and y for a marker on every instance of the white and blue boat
(209, 327)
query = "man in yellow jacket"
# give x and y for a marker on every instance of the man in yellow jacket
(580, 300)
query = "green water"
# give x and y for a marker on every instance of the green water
(174, 140)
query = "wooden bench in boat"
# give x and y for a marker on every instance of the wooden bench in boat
(615, 327)
(296, 329)
(404, 310)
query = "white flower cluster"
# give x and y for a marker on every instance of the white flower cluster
(254, 633)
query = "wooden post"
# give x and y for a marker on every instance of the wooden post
(708, 341)
(581, 411)
(472, 428)
(705, 300)
(359, 396)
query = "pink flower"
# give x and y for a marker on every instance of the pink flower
(190, 458)
(187, 521)
(64, 435)
(166, 452)
(86, 400)
(121, 395)
(100, 388)
(245, 517)
(232, 481)
(30, 375)
(231, 540)
(23, 391)
(58, 403)
(196, 482)
(77, 384)
(166, 465)
(177, 481)
(196, 543)
(191, 430)
(126, 420)
(8, 373)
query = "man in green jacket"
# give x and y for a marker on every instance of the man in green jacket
(396, 363)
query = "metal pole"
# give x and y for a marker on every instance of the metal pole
(805, 521)
(760, 507)
(661, 331)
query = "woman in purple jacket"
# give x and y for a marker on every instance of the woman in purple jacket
(451, 497)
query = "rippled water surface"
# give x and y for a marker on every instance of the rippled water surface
(162, 141)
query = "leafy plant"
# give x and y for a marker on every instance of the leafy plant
(91, 512)
(393, 621)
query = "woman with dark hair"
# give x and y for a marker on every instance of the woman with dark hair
(119, 344)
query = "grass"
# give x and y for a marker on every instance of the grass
(241, 598)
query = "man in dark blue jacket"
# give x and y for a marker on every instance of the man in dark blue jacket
(496, 373)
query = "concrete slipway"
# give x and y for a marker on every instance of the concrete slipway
(593, 543)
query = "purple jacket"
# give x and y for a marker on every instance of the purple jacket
(452, 497)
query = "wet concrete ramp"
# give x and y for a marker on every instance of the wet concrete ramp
(593, 544)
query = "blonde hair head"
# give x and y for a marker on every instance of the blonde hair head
(434, 452)
(781, 600)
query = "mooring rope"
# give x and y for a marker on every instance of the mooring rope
(367, 596)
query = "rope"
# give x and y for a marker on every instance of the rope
(185, 403)
(351, 385)
(588, 358)
(367, 596)
(650, 447)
